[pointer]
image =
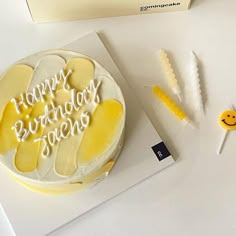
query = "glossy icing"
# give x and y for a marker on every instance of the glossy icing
(19, 75)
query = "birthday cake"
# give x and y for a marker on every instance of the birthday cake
(62, 121)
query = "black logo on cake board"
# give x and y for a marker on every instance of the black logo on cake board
(161, 151)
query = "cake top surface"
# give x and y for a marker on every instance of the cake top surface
(62, 116)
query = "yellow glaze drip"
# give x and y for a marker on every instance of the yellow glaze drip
(61, 97)
(169, 102)
(13, 82)
(65, 163)
(105, 123)
(26, 158)
(82, 72)
(8, 140)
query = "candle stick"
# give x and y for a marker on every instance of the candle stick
(222, 142)
(227, 121)
(170, 75)
(169, 103)
(196, 83)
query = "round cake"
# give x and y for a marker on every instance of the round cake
(62, 121)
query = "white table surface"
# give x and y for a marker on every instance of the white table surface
(197, 196)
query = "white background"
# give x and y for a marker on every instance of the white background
(197, 196)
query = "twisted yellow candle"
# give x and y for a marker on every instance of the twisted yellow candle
(170, 75)
(169, 103)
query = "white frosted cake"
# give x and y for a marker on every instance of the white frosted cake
(62, 121)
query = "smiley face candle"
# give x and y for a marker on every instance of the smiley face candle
(227, 121)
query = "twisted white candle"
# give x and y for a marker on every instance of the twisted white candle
(196, 83)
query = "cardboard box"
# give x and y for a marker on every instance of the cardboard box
(61, 10)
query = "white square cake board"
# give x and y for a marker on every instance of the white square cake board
(36, 214)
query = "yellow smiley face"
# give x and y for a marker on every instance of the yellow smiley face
(228, 120)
